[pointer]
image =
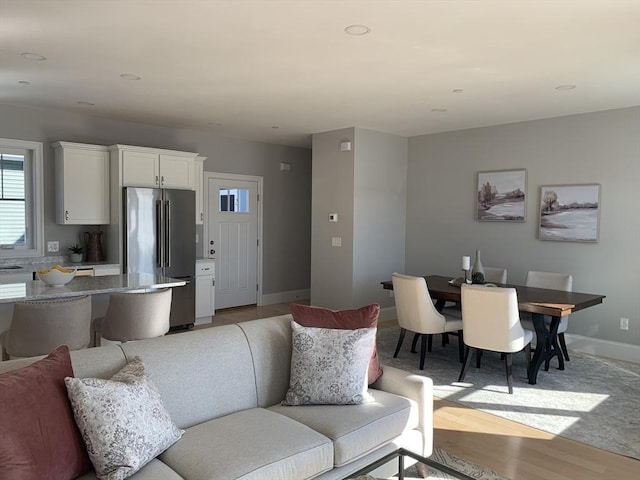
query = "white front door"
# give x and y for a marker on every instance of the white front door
(232, 234)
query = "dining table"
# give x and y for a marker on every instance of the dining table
(536, 301)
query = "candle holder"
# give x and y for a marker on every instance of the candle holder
(466, 276)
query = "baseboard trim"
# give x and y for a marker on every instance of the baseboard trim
(284, 297)
(592, 346)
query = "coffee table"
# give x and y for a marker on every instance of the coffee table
(400, 455)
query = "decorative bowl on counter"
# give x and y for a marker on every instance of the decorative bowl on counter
(56, 276)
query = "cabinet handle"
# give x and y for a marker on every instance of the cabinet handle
(66, 214)
(213, 283)
(201, 217)
(162, 180)
(156, 179)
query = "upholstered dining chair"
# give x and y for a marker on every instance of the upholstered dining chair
(495, 275)
(553, 281)
(39, 326)
(134, 316)
(491, 321)
(416, 313)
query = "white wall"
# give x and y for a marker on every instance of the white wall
(601, 147)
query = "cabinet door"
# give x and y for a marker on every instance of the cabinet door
(82, 187)
(204, 298)
(176, 172)
(198, 183)
(103, 271)
(140, 169)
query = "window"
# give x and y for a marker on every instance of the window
(234, 200)
(21, 199)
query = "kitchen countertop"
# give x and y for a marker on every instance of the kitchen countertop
(42, 263)
(38, 290)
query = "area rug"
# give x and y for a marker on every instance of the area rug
(594, 400)
(445, 458)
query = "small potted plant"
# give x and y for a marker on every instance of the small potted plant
(76, 253)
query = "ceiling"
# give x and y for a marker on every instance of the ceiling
(279, 71)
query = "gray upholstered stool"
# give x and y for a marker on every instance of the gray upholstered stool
(39, 326)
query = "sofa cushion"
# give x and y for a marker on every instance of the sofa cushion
(123, 420)
(349, 319)
(357, 429)
(329, 366)
(38, 435)
(250, 444)
(154, 470)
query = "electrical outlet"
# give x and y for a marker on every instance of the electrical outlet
(53, 246)
(624, 323)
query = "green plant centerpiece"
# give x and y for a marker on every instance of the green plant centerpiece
(477, 278)
(76, 249)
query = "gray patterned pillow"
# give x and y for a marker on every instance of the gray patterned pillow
(123, 421)
(329, 366)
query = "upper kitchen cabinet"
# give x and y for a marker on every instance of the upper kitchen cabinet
(199, 184)
(154, 168)
(81, 184)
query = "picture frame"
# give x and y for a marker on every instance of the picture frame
(570, 213)
(501, 196)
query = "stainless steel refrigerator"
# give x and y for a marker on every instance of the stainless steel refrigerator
(160, 238)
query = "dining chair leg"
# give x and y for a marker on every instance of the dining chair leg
(400, 340)
(508, 361)
(563, 346)
(430, 341)
(527, 355)
(460, 347)
(478, 358)
(414, 343)
(465, 365)
(445, 339)
(423, 349)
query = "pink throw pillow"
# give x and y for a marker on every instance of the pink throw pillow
(39, 438)
(350, 319)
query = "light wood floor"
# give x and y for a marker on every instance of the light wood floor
(512, 449)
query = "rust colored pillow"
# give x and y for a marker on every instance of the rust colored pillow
(350, 319)
(39, 438)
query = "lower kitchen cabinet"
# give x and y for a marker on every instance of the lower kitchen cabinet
(205, 290)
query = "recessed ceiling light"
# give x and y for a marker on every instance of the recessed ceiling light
(24, 82)
(357, 30)
(457, 90)
(87, 104)
(130, 76)
(33, 56)
(565, 87)
(439, 110)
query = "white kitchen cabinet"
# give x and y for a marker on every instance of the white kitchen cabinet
(101, 271)
(82, 184)
(199, 187)
(156, 168)
(205, 290)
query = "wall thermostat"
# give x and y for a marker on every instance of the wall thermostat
(333, 217)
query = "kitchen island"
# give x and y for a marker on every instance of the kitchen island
(38, 290)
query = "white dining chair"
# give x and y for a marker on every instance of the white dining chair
(491, 321)
(552, 281)
(495, 275)
(416, 313)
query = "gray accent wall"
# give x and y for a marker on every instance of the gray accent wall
(286, 195)
(601, 147)
(366, 187)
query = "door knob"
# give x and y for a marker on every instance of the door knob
(211, 242)
(212, 251)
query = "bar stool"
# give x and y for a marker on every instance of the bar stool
(39, 326)
(134, 316)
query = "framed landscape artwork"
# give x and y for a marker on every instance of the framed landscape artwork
(501, 196)
(569, 213)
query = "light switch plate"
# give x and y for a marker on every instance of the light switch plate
(336, 241)
(53, 246)
(333, 217)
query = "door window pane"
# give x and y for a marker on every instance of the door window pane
(234, 200)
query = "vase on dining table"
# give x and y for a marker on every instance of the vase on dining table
(477, 265)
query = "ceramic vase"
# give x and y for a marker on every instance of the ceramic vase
(477, 266)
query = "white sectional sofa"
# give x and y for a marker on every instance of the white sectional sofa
(224, 387)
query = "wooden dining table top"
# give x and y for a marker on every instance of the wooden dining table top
(534, 300)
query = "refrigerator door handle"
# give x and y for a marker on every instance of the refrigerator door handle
(159, 234)
(167, 234)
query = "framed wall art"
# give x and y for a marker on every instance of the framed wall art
(570, 213)
(501, 196)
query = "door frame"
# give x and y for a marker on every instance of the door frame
(205, 226)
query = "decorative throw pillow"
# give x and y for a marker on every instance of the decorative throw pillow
(38, 437)
(329, 366)
(123, 420)
(350, 319)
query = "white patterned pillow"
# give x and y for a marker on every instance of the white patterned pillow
(329, 366)
(123, 421)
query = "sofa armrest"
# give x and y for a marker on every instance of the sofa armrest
(416, 388)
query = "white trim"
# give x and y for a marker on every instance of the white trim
(205, 224)
(284, 297)
(603, 348)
